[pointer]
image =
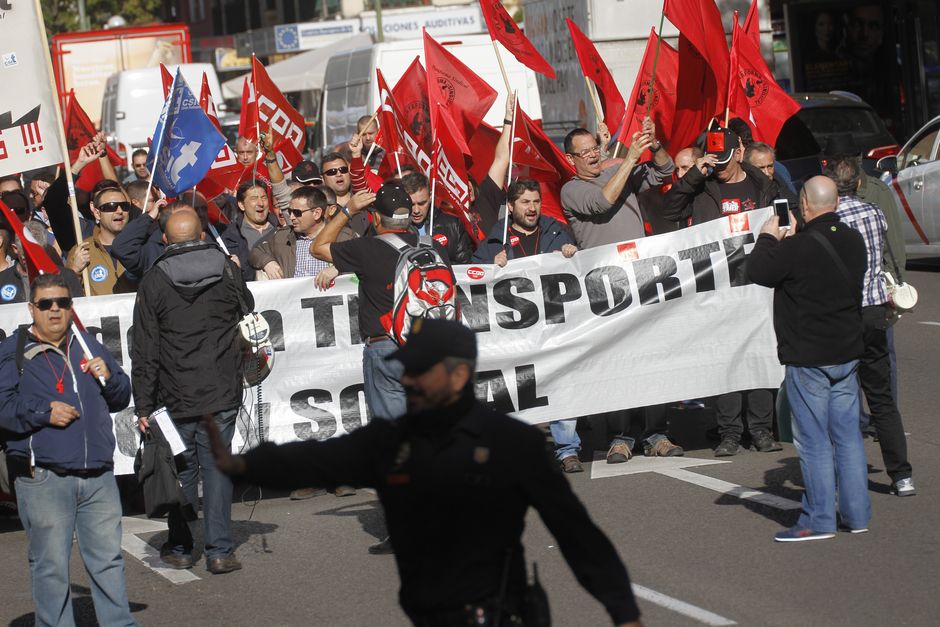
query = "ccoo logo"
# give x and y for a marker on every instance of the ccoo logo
(475, 273)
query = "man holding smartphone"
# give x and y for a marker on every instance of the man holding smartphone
(722, 185)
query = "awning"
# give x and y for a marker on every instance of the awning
(303, 71)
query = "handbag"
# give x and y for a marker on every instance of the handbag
(901, 295)
(158, 476)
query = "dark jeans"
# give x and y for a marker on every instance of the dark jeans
(620, 424)
(216, 489)
(874, 373)
(729, 410)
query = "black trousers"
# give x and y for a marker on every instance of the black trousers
(874, 373)
(730, 408)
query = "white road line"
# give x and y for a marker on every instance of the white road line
(681, 607)
(733, 489)
(933, 324)
(146, 554)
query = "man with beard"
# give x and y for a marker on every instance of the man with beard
(455, 480)
(253, 222)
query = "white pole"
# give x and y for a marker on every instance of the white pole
(433, 185)
(512, 141)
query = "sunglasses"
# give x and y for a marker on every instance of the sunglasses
(45, 304)
(110, 207)
(298, 213)
(335, 171)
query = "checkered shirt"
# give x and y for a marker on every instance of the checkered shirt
(307, 264)
(868, 220)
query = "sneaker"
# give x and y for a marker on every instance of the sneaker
(222, 565)
(178, 561)
(798, 534)
(851, 530)
(382, 548)
(903, 487)
(764, 442)
(571, 464)
(663, 448)
(618, 453)
(729, 446)
(344, 490)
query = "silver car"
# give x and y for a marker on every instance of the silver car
(914, 174)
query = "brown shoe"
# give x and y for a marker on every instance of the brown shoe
(618, 453)
(663, 448)
(344, 490)
(305, 493)
(222, 565)
(571, 464)
(179, 561)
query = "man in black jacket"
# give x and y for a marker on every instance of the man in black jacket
(185, 359)
(720, 185)
(456, 480)
(817, 278)
(448, 230)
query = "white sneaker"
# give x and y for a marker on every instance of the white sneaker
(904, 487)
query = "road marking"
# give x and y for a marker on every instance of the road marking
(681, 607)
(933, 324)
(675, 467)
(146, 554)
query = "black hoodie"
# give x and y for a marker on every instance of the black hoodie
(183, 349)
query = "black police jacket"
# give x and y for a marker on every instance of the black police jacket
(455, 486)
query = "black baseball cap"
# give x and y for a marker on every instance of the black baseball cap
(431, 340)
(392, 200)
(308, 173)
(721, 142)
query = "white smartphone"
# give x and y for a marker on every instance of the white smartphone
(782, 209)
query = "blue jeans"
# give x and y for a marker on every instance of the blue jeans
(385, 396)
(52, 509)
(565, 434)
(216, 490)
(824, 404)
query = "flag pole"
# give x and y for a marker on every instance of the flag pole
(502, 68)
(433, 186)
(398, 163)
(63, 145)
(512, 137)
(592, 94)
(734, 36)
(254, 87)
(659, 41)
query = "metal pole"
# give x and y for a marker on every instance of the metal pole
(82, 16)
(379, 33)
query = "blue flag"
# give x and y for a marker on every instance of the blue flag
(185, 142)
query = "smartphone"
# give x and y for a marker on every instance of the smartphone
(782, 209)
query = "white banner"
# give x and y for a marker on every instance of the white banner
(657, 320)
(28, 126)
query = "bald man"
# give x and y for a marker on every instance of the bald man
(817, 276)
(686, 158)
(185, 359)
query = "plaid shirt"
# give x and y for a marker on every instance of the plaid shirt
(307, 264)
(868, 220)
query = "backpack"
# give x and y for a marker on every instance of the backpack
(424, 287)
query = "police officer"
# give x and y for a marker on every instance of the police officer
(455, 480)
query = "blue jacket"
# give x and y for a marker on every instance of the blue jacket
(554, 236)
(88, 442)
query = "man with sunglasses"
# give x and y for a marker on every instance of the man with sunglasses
(61, 459)
(111, 209)
(285, 253)
(335, 171)
(601, 204)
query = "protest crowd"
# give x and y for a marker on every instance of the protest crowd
(391, 204)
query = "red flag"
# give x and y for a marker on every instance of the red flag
(167, 80)
(700, 22)
(752, 23)
(505, 30)
(79, 131)
(226, 171)
(37, 259)
(266, 110)
(411, 98)
(547, 150)
(404, 138)
(662, 108)
(463, 94)
(449, 170)
(207, 104)
(248, 121)
(595, 69)
(757, 91)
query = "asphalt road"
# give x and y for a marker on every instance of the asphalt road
(696, 539)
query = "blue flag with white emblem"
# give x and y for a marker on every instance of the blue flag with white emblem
(185, 142)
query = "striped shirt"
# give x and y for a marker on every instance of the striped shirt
(307, 264)
(868, 220)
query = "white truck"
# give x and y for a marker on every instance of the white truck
(350, 88)
(619, 30)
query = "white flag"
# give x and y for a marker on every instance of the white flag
(29, 128)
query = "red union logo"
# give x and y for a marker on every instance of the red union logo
(476, 273)
(440, 238)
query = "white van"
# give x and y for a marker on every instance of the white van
(350, 88)
(133, 100)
